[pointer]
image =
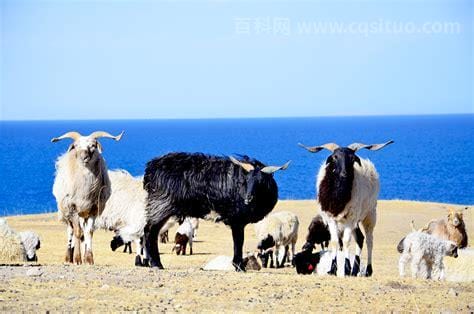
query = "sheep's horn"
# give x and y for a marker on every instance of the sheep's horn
(73, 134)
(272, 169)
(314, 149)
(356, 146)
(246, 166)
(98, 134)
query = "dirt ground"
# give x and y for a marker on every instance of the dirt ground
(114, 284)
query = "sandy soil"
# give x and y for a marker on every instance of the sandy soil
(114, 284)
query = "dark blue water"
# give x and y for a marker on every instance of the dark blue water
(431, 160)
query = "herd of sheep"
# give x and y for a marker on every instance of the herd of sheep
(179, 188)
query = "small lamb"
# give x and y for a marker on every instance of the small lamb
(184, 235)
(426, 253)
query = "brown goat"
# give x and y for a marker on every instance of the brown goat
(454, 229)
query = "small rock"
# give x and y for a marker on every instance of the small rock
(453, 292)
(105, 287)
(34, 272)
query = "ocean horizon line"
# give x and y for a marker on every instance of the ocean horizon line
(246, 118)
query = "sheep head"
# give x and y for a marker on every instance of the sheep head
(451, 249)
(255, 175)
(455, 217)
(335, 189)
(86, 148)
(342, 159)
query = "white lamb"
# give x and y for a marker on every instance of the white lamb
(277, 232)
(426, 253)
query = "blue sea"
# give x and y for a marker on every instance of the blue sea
(431, 160)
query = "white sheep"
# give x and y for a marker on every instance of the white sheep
(17, 247)
(81, 188)
(184, 235)
(31, 242)
(124, 212)
(348, 187)
(425, 253)
(277, 232)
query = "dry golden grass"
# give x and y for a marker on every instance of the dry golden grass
(114, 284)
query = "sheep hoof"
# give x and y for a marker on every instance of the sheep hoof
(89, 258)
(347, 267)
(156, 265)
(239, 267)
(333, 270)
(146, 262)
(355, 268)
(369, 271)
(138, 261)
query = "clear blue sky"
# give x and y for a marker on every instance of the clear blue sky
(194, 59)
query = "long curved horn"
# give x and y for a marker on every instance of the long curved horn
(73, 134)
(314, 149)
(272, 169)
(98, 134)
(246, 166)
(356, 146)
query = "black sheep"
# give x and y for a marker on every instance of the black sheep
(184, 184)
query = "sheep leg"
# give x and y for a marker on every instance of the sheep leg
(128, 246)
(346, 238)
(88, 233)
(183, 249)
(404, 259)
(138, 247)
(146, 261)
(70, 244)
(270, 255)
(415, 266)
(440, 265)
(293, 245)
(359, 239)
(191, 247)
(238, 238)
(77, 241)
(332, 226)
(287, 254)
(369, 224)
(151, 243)
(164, 237)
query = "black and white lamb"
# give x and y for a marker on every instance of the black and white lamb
(347, 189)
